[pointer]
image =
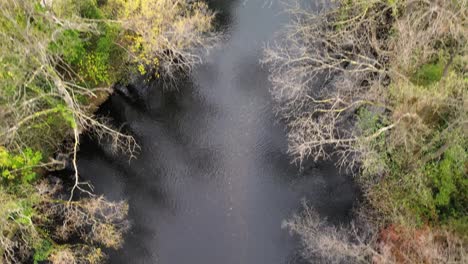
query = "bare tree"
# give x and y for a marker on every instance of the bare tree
(318, 74)
(324, 242)
(362, 242)
(90, 222)
(326, 66)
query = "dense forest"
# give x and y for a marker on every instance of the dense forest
(377, 86)
(381, 88)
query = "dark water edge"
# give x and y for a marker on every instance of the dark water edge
(212, 183)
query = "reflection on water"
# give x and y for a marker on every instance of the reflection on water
(212, 183)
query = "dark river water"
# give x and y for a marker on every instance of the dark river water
(212, 182)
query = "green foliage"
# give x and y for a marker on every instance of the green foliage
(19, 167)
(369, 122)
(376, 161)
(70, 46)
(428, 74)
(449, 182)
(415, 193)
(67, 116)
(42, 251)
(100, 64)
(89, 9)
(92, 55)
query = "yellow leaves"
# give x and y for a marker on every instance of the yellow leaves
(141, 69)
(94, 68)
(136, 43)
(3, 156)
(162, 27)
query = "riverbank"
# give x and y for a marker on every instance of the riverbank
(59, 59)
(380, 86)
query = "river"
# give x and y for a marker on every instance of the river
(212, 182)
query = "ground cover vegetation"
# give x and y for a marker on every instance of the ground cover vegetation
(58, 62)
(380, 86)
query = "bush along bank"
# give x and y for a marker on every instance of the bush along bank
(381, 86)
(58, 62)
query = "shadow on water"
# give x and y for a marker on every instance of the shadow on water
(212, 183)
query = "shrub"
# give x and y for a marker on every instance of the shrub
(429, 74)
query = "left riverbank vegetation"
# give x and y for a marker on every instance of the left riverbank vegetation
(58, 62)
(381, 87)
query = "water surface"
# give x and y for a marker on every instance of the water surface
(212, 183)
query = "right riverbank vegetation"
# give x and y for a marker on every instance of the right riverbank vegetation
(58, 62)
(381, 87)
